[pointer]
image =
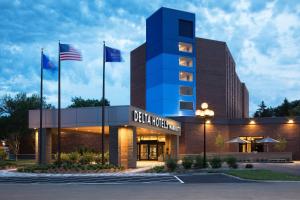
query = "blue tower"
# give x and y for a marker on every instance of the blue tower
(170, 63)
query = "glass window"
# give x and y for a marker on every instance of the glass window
(185, 76)
(186, 105)
(185, 90)
(184, 61)
(186, 28)
(185, 47)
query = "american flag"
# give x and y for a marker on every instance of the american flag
(67, 52)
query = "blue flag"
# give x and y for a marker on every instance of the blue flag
(47, 64)
(112, 55)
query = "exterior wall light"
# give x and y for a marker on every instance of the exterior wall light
(252, 122)
(290, 121)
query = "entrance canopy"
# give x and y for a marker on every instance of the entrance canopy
(89, 117)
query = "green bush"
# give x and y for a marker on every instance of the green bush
(87, 158)
(199, 164)
(171, 164)
(73, 157)
(232, 162)
(158, 169)
(248, 166)
(3, 154)
(187, 162)
(216, 162)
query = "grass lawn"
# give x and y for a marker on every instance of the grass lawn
(11, 163)
(261, 174)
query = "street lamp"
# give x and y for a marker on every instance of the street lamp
(205, 114)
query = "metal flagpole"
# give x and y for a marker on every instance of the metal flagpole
(103, 103)
(41, 114)
(59, 113)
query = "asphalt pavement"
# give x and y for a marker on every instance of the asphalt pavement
(216, 191)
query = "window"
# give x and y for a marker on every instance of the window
(186, 28)
(184, 61)
(186, 105)
(185, 47)
(185, 76)
(185, 90)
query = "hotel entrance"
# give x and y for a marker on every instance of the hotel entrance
(151, 148)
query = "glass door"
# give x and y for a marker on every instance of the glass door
(143, 152)
(152, 152)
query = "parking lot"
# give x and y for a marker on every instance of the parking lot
(169, 179)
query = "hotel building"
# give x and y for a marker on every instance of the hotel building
(172, 73)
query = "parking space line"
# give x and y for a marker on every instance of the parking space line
(179, 179)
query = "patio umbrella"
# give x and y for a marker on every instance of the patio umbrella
(238, 140)
(266, 141)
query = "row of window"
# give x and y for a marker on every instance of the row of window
(185, 76)
(186, 91)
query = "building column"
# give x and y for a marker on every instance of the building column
(122, 146)
(46, 147)
(172, 146)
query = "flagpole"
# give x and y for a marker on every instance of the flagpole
(59, 110)
(41, 113)
(103, 103)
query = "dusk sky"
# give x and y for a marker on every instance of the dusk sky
(263, 36)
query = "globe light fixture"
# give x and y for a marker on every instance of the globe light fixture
(206, 114)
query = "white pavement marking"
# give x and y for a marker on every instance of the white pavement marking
(179, 179)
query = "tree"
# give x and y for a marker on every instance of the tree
(14, 118)
(219, 142)
(263, 111)
(281, 145)
(78, 102)
(283, 110)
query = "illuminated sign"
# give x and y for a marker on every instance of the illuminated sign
(146, 118)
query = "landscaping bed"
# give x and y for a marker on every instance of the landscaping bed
(74, 162)
(189, 165)
(9, 164)
(70, 168)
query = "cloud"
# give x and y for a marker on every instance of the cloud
(263, 37)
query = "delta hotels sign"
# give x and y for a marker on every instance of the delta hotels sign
(147, 118)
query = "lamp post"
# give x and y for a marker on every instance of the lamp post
(205, 114)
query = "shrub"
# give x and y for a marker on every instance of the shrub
(216, 162)
(158, 169)
(171, 164)
(87, 158)
(199, 164)
(248, 166)
(73, 157)
(187, 162)
(232, 162)
(64, 157)
(3, 154)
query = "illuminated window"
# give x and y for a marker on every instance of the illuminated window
(186, 105)
(185, 90)
(184, 61)
(185, 76)
(185, 47)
